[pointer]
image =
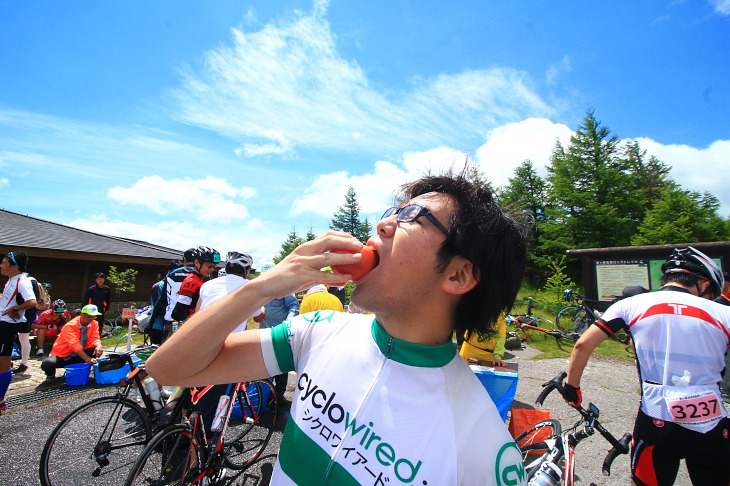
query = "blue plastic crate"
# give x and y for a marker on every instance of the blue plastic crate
(501, 387)
(113, 376)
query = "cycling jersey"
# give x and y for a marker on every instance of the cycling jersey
(173, 281)
(320, 301)
(53, 326)
(216, 289)
(371, 409)
(187, 297)
(17, 286)
(680, 341)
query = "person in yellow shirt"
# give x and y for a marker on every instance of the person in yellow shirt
(486, 350)
(317, 298)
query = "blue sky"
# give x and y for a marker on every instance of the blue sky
(227, 123)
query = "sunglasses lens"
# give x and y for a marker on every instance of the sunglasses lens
(409, 213)
(388, 212)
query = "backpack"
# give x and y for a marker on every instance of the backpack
(43, 300)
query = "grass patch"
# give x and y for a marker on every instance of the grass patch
(558, 348)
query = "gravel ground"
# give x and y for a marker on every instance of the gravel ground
(610, 384)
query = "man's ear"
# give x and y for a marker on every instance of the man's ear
(459, 276)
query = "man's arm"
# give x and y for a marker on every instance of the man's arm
(214, 356)
(291, 302)
(581, 352)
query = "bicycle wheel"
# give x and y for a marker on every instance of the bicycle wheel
(532, 441)
(94, 442)
(622, 336)
(573, 319)
(247, 435)
(173, 456)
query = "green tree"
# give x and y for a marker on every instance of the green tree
(124, 283)
(347, 218)
(681, 216)
(525, 194)
(310, 235)
(590, 194)
(292, 241)
(649, 177)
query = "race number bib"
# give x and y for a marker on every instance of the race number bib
(696, 411)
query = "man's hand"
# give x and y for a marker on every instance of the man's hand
(301, 269)
(499, 362)
(573, 395)
(98, 351)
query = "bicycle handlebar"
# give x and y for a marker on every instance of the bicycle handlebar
(619, 446)
(623, 448)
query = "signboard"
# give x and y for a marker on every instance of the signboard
(129, 313)
(613, 275)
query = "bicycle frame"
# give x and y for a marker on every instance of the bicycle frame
(563, 446)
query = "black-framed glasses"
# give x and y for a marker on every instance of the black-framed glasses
(410, 213)
(11, 257)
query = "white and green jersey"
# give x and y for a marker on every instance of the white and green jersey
(371, 409)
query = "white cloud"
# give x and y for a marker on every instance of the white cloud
(697, 169)
(721, 6)
(375, 190)
(288, 82)
(563, 66)
(3, 182)
(509, 145)
(206, 199)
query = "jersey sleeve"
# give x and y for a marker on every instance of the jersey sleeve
(283, 345)
(612, 320)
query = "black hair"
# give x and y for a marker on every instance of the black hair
(685, 279)
(492, 241)
(172, 265)
(20, 259)
(99, 274)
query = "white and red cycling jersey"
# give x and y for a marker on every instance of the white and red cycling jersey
(680, 342)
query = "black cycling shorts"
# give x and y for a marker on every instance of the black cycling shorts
(8, 331)
(658, 447)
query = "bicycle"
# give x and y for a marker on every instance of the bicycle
(93, 442)
(527, 321)
(578, 317)
(183, 455)
(555, 448)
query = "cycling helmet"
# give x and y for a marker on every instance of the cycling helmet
(58, 305)
(694, 262)
(206, 254)
(239, 263)
(568, 295)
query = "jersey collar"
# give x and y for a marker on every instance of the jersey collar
(411, 354)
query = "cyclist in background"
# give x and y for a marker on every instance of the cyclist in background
(204, 263)
(681, 338)
(48, 324)
(167, 300)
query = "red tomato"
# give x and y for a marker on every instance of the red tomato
(358, 270)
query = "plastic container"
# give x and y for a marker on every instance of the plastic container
(254, 397)
(77, 374)
(112, 376)
(501, 387)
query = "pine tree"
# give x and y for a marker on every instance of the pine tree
(292, 241)
(347, 218)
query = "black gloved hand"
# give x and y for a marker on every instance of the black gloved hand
(572, 395)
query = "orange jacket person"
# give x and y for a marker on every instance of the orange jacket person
(79, 342)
